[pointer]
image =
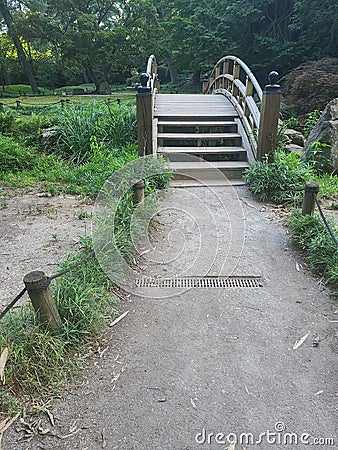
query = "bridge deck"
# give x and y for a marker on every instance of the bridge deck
(193, 105)
(199, 134)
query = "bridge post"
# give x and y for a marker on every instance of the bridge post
(270, 111)
(144, 109)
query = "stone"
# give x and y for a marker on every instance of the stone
(294, 148)
(322, 143)
(104, 88)
(294, 137)
(78, 91)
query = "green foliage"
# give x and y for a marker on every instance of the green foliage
(267, 183)
(40, 357)
(7, 122)
(310, 233)
(311, 120)
(15, 157)
(113, 126)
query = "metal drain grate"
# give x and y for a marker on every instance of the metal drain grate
(202, 282)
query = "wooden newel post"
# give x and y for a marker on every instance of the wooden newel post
(270, 111)
(138, 194)
(42, 299)
(309, 200)
(144, 106)
(205, 83)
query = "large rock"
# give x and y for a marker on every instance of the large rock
(322, 143)
(312, 85)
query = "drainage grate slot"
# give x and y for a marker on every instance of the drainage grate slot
(202, 282)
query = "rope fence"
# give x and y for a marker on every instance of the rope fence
(63, 102)
(43, 282)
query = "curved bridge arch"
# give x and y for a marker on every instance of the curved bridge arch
(228, 130)
(233, 78)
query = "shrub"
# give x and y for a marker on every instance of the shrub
(114, 126)
(311, 235)
(266, 182)
(15, 157)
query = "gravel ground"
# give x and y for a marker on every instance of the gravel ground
(183, 370)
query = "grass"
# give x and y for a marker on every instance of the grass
(308, 231)
(41, 360)
(264, 180)
(311, 235)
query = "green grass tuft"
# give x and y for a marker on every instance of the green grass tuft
(311, 235)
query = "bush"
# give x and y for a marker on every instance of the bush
(15, 157)
(311, 235)
(266, 182)
(114, 126)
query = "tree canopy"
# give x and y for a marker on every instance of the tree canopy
(101, 41)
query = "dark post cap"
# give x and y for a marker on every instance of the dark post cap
(273, 87)
(312, 187)
(144, 78)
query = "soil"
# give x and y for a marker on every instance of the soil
(185, 368)
(34, 235)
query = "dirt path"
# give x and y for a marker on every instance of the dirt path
(34, 236)
(185, 368)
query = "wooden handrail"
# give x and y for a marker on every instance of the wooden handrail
(233, 78)
(153, 82)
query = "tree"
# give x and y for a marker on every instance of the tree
(25, 61)
(103, 38)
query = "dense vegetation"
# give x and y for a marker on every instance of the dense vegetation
(282, 182)
(84, 145)
(56, 43)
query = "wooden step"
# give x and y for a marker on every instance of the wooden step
(199, 170)
(206, 182)
(196, 123)
(175, 126)
(201, 150)
(198, 136)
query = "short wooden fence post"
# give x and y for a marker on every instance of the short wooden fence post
(42, 299)
(270, 111)
(138, 194)
(309, 200)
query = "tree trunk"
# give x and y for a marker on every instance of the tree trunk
(91, 76)
(172, 70)
(196, 77)
(6, 81)
(19, 48)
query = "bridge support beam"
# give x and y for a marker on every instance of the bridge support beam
(270, 112)
(144, 108)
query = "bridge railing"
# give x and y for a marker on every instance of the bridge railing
(259, 114)
(145, 108)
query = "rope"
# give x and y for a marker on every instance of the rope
(59, 274)
(326, 222)
(13, 302)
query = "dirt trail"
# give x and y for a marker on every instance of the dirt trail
(192, 369)
(34, 236)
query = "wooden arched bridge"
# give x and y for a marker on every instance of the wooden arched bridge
(232, 123)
